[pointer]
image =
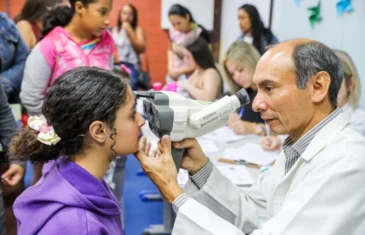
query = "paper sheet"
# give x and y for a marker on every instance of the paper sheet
(252, 153)
(182, 177)
(208, 146)
(237, 174)
(223, 134)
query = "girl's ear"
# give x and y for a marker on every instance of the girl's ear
(98, 132)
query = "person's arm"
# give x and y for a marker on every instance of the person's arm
(214, 194)
(26, 32)
(174, 72)
(307, 208)
(137, 37)
(209, 91)
(194, 218)
(8, 127)
(11, 78)
(37, 75)
(8, 124)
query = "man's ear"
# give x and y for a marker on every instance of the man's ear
(320, 84)
(98, 131)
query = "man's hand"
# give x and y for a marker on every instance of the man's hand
(13, 175)
(194, 158)
(160, 167)
(240, 127)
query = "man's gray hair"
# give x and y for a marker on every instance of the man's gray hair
(312, 57)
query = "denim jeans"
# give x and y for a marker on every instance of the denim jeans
(134, 74)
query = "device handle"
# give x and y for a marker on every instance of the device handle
(177, 155)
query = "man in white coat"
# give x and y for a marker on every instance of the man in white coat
(317, 185)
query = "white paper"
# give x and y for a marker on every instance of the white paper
(252, 153)
(208, 146)
(237, 174)
(224, 134)
(182, 177)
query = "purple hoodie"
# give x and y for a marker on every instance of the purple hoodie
(67, 200)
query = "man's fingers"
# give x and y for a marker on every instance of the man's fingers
(186, 143)
(166, 144)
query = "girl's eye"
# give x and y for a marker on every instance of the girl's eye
(103, 12)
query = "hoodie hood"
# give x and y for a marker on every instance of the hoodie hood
(64, 185)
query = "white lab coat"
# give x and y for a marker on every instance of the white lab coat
(357, 120)
(323, 193)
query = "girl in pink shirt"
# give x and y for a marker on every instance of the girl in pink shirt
(73, 36)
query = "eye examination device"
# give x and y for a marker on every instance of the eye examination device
(169, 113)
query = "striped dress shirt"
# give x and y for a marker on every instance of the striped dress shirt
(293, 151)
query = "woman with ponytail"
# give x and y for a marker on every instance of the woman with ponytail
(89, 118)
(72, 37)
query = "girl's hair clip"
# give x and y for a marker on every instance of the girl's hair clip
(46, 134)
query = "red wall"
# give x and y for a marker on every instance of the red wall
(149, 18)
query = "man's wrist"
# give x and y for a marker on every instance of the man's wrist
(201, 177)
(172, 192)
(179, 201)
(204, 161)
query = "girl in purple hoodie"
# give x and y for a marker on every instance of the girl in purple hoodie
(89, 119)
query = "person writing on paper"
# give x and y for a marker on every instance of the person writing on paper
(239, 66)
(307, 189)
(350, 92)
(347, 99)
(205, 83)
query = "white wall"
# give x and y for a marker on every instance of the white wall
(345, 32)
(230, 30)
(202, 11)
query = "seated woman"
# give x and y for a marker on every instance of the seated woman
(205, 83)
(347, 99)
(350, 92)
(78, 142)
(239, 65)
(184, 28)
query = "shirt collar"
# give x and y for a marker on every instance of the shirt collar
(301, 145)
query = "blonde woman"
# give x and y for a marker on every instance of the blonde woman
(350, 92)
(239, 66)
